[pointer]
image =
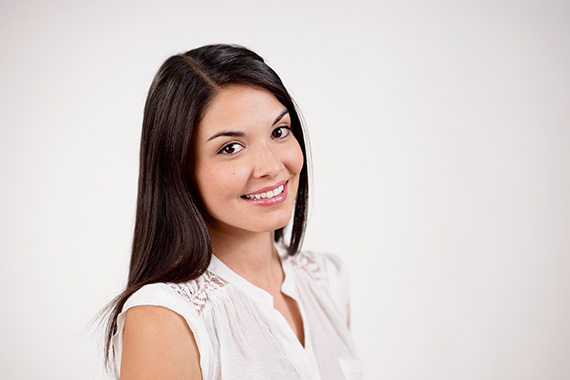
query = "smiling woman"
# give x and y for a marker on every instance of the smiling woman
(214, 290)
(257, 163)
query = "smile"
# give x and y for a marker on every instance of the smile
(267, 194)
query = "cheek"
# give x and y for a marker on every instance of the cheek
(222, 181)
(294, 158)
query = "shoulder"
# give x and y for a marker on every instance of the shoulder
(160, 311)
(157, 342)
(151, 318)
(201, 292)
(191, 297)
(326, 268)
(329, 272)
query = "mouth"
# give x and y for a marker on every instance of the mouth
(273, 194)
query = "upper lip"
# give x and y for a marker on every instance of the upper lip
(273, 187)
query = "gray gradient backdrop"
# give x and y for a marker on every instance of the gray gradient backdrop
(440, 133)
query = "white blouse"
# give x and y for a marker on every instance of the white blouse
(240, 335)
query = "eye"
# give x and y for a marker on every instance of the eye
(231, 148)
(281, 132)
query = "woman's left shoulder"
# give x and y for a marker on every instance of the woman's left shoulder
(327, 267)
(329, 271)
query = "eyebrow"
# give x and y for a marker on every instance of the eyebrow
(285, 112)
(241, 134)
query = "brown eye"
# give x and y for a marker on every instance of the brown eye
(231, 148)
(280, 132)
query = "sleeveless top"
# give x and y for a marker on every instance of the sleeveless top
(240, 335)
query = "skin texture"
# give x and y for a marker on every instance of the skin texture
(228, 167)
(157, 344)
(260, 152)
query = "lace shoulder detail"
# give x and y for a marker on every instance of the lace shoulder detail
(311, 264)
(201, 291)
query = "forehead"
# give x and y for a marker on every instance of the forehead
(239, 106)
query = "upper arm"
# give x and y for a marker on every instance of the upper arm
(158, 344)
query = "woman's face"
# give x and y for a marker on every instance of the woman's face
(246, 161)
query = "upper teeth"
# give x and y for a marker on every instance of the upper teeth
(267, 194)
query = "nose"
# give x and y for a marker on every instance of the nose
(267, 162)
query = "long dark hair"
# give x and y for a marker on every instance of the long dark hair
(171, 240)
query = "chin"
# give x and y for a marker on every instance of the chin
(272, 225)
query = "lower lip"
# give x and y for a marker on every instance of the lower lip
(270, 201)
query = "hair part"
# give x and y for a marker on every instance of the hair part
(171, 240)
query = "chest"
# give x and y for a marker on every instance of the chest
(289, 308)
(255, 339)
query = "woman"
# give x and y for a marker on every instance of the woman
(213, 291)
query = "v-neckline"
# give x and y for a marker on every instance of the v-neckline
(262, 296)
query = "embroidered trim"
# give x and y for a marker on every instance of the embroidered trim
(311, 264)
(201, 291)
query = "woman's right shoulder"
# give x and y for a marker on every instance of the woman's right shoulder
(158, 343)
(160, 312)
(192, 297)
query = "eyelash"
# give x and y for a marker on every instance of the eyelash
(285, 127)
(282, 127)
(222, 150)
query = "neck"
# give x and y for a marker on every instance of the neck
(252, 256)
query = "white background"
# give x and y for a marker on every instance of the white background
(440, 133)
